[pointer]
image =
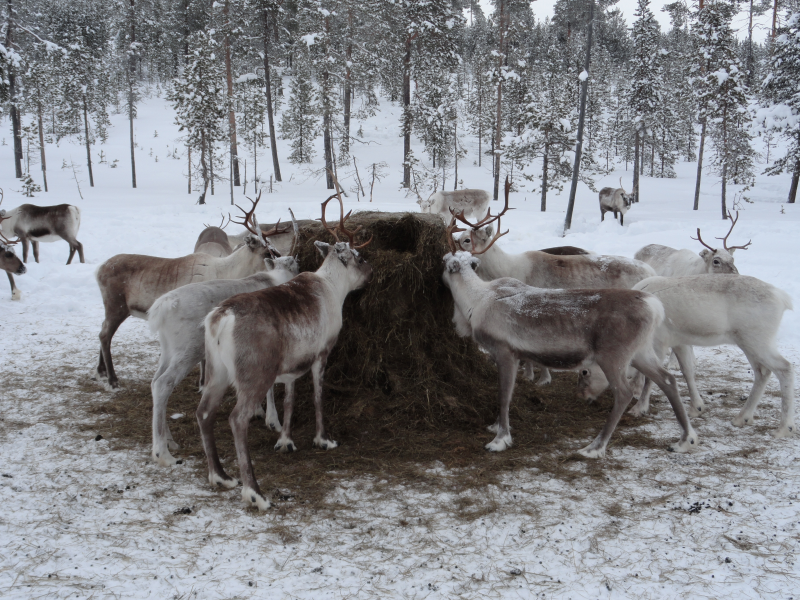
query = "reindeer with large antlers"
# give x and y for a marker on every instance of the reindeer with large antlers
(9, 261)
(276, 335)
(560, 329)
(670, 262)
(543, 269)
(130, 283)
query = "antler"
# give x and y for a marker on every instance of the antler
(222, 224)
(3, 239)
(620, 185)
(699, 239)
(450, 230)
(342, 219)
(250, 222)
(725, 239)
(296, 233)
(489, 218)
(496, 237)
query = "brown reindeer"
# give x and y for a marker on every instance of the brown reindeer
(214, 241)
(130, 283)
(276, 335)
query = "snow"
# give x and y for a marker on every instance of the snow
(583, 76)
(82, 519)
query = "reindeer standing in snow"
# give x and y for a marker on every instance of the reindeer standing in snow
(615, 200)
(560, 329)
(276, 335)
(10, 262)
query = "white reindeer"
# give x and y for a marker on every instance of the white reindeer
(709, 310)
(36, 224)
(560, 329)
(544, 269)
(615, 200)
(130, 283)
(472, 203)
(674, 263)
(276, 335)
(177, 318)
(10, 263)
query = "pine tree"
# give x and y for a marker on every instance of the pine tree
(300, 123)
(781, 90)
(251, 105)
(199, 101)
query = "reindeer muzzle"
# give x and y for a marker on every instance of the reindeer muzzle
(22, 270)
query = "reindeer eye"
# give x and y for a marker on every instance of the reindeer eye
(584, 372)
(716, 262)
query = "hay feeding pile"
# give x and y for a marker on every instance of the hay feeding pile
(401, 388)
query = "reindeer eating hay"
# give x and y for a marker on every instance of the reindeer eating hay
(276, 335)
(9, 261)
(560, 329)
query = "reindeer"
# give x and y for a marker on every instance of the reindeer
(177, 318)
(546, 269)
(615, 200)
(560, 329)
(214, 241)
(470, 202)
(281, 241)
(43, 224)
(130, 283)
(9, 262)
(709, 310)
(276, 334)
(671, 263)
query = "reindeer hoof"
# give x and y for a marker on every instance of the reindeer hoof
(499, 444)
(17, 295)
(742, 420)
(543, 381)
(696, 411)
(784, 431)
(590, 452)
(285, 446)
(254, 499)
(163, 458)
(325, 444)
(273, 425)
(637, 410)
(690, 443)
(222, 481)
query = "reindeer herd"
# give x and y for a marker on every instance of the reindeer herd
(238, 307)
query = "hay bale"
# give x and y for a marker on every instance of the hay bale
(398, 359)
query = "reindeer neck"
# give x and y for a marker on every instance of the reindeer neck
(468, 290)
(239, 263)
(334, 274)
(495, 263)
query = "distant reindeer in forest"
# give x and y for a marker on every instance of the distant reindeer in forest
(43, 224)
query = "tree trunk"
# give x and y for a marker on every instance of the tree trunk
(636, 159)
(41, 143)
(270, 116)
(581, 116)
(347, 84)
(750, 60)
(211, 164)
(480, 119)
(131, 80)
(229, 81)
(203, 168)
(455, 154)
(88, 146)
(544, 176)
(498, 134)
(12, 93)
(326, 119)
(189, 148)
(725, 164)
(407, 120)
(793, 186)
(699, 165)
(774, 18)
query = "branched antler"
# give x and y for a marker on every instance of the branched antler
(725, 239)
(699, 239)
(251, 224)
(450, 230)
(222, 223)
(3, 239)
(489, 218)
(342, 219)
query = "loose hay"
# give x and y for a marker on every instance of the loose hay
(402, 390)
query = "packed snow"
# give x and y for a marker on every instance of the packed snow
(81, 519)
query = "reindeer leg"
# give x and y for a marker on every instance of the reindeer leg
(650, 364)
(105, 368)
(35, 245)
(618, 382)
(621, 219)
(285, 443)
(206, 415)
(642, 406)
(271, 418)
(770, 361)
(24, 241)
(202, 379)
(318, 373)
(686, 362)
(74, 245)
(544, 377)
(240, 423)
(71, 253)
(15, 293)
(166, 378)
(507, 365)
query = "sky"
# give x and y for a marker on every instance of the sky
(544, 8)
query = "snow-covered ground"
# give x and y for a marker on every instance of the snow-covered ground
(79, 518)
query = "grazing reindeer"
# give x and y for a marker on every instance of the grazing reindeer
(276, 334)
(10, 263)
(470, 202)
(671, 263)
(615, 200)
(214, 241)
(281, 241)
(561, 329)
(43, 224)
(708, 310)
(546, 269)
(130, 283)
(177, 317)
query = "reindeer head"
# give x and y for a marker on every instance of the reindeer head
(720, 261)
(478, 238)
(627, 198)
(359, 271)
(284, 263)
(258, 240)
(9, 261)
(591, 383)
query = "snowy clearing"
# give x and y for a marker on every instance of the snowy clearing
(84, 520)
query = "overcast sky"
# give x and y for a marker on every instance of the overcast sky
(544, 8)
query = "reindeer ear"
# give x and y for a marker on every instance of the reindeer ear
(269, 262)
(489, 229)
(731, 251)
(343, 252)
(252, 242)
(704, 253)
(323, 248)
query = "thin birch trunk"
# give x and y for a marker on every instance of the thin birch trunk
(41, 144)
(229, 81)
(699, 166)
(88, 146)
